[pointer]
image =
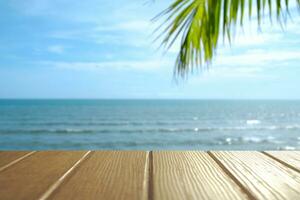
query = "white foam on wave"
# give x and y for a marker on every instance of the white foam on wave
(293, 126)
(252, 139)
(272, 127)
(270, 138)
(253, 122)
(289, 148)
(248, 140)
(228, 140)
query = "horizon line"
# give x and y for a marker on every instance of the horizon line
(199, 99)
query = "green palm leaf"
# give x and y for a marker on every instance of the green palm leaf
(198, 25)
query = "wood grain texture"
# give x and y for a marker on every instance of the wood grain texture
(263, 176)
(108, 175)
(7, 157)
(191, 175)
(32, 176)
(289, 158)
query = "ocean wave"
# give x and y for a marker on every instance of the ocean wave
(149, 130)
(118, 123)
(253, 122)
(80, 131)
(288, 148)
(118, 144)
(223, 143)
(246, 140)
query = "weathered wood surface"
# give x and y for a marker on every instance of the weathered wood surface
(290, 158)
(31, 177)
(8, 158)
(149, 175)
(108, 175)
(191, 175)
(262, 176)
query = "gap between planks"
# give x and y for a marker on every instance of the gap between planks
(240, 184)
(16, 161)
(150, 176)
(281, 161)
(231, 176)
(148, 173)
(59, 182)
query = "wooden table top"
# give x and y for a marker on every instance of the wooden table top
(157, 175)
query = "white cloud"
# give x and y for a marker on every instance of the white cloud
(293, 26)
(255, 39)
(66, 34)
(259, 57)
(58, 49)
(252, 64)
(130, 25)
(230, 73)
(98, 21)
(119, 65)
(87, 11)
(134, 33)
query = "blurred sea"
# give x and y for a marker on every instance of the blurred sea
(149, 124)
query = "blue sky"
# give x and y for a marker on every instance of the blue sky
(104, 49)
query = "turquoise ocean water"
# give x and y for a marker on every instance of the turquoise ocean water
(149, 124)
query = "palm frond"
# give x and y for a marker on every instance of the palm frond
(198, 25)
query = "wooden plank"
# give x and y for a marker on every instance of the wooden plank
(288, 158)
(261, 175)
(108, 175)
(7, 157)
(191, 175)
(30, 178)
